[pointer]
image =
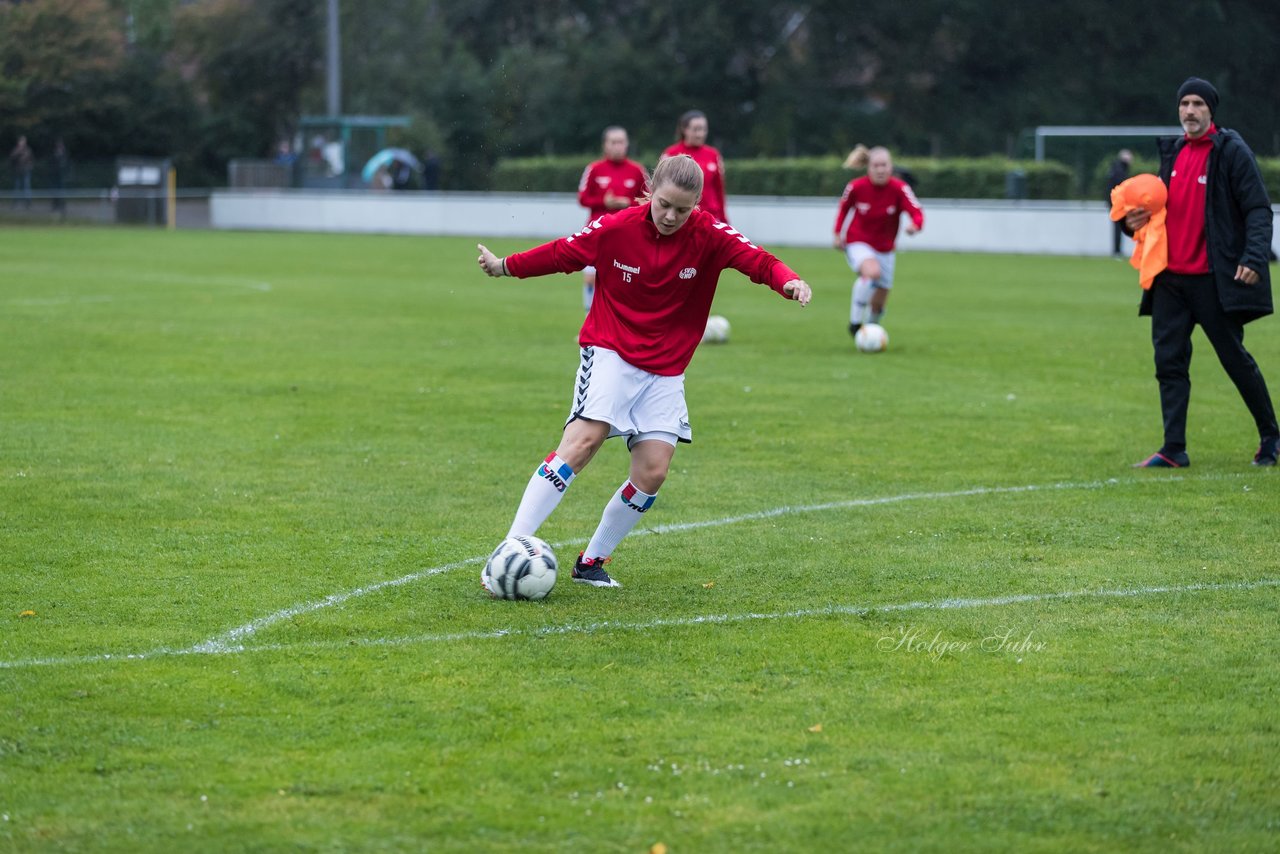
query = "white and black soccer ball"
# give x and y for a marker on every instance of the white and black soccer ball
(717, 331)
(871, 338)
(520, 568)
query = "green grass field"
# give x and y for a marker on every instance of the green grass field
(909, 601)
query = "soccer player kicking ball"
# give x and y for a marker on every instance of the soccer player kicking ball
(657, 266)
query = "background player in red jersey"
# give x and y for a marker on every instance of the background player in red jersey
(877, 201)
(658, 266)
(610, 184)
(691, 139)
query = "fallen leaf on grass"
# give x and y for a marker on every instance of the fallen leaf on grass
(708, 585)
(658, 848)
(27, 614)
(816, 728)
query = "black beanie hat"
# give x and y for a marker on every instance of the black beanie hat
(1203, 88)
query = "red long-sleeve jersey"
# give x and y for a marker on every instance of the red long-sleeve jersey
(653, 291)
(712, 176)
(624, 178)
(877, 211)
(1185, 222)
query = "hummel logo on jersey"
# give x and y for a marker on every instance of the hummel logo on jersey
(624, 268)
(688, 272)
(733, 232)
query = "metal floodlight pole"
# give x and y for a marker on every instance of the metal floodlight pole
(334, 63)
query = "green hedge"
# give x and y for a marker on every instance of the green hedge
(954, 178)
(1268, 166)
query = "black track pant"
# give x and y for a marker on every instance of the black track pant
(1178, 303)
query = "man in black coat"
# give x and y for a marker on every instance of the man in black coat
(1218, 224)
(1116, 175)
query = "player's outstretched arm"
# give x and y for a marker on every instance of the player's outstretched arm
(798, 290)
(490, 263)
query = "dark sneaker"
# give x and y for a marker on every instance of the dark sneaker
(853, 328)
(591, 571)
(1266, 455)
(1162, 460)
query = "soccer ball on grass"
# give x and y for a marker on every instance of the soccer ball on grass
(871, 338)
(520, 568)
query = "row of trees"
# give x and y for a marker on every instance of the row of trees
(207, 80)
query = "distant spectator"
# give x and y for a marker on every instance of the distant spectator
(401, 175)
(61, 172)
(284, 154)
(22, 160)
(1115, 176)
(431, 171)
(287, 158)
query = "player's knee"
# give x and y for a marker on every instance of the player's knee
(649, 480)
(581, 440)
(870, 269)
(649, 474)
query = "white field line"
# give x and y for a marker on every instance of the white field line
(798, 614)
(239, 634)
(234, 639)
(666, 623)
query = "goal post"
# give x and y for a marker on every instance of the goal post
(1044, 132)
(1086, 149)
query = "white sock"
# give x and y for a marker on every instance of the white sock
(541, 496)
(861, 300)
(620, 515)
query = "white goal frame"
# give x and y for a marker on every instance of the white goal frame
(1043, 132)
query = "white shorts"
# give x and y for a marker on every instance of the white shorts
(632, 401)
(859, 252)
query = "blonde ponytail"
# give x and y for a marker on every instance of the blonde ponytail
(858, 158)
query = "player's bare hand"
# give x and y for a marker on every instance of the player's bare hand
(490, 263)
(798, 290)
(1137, 218)
(1247, 275)
(910, 228)
(837, 242)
